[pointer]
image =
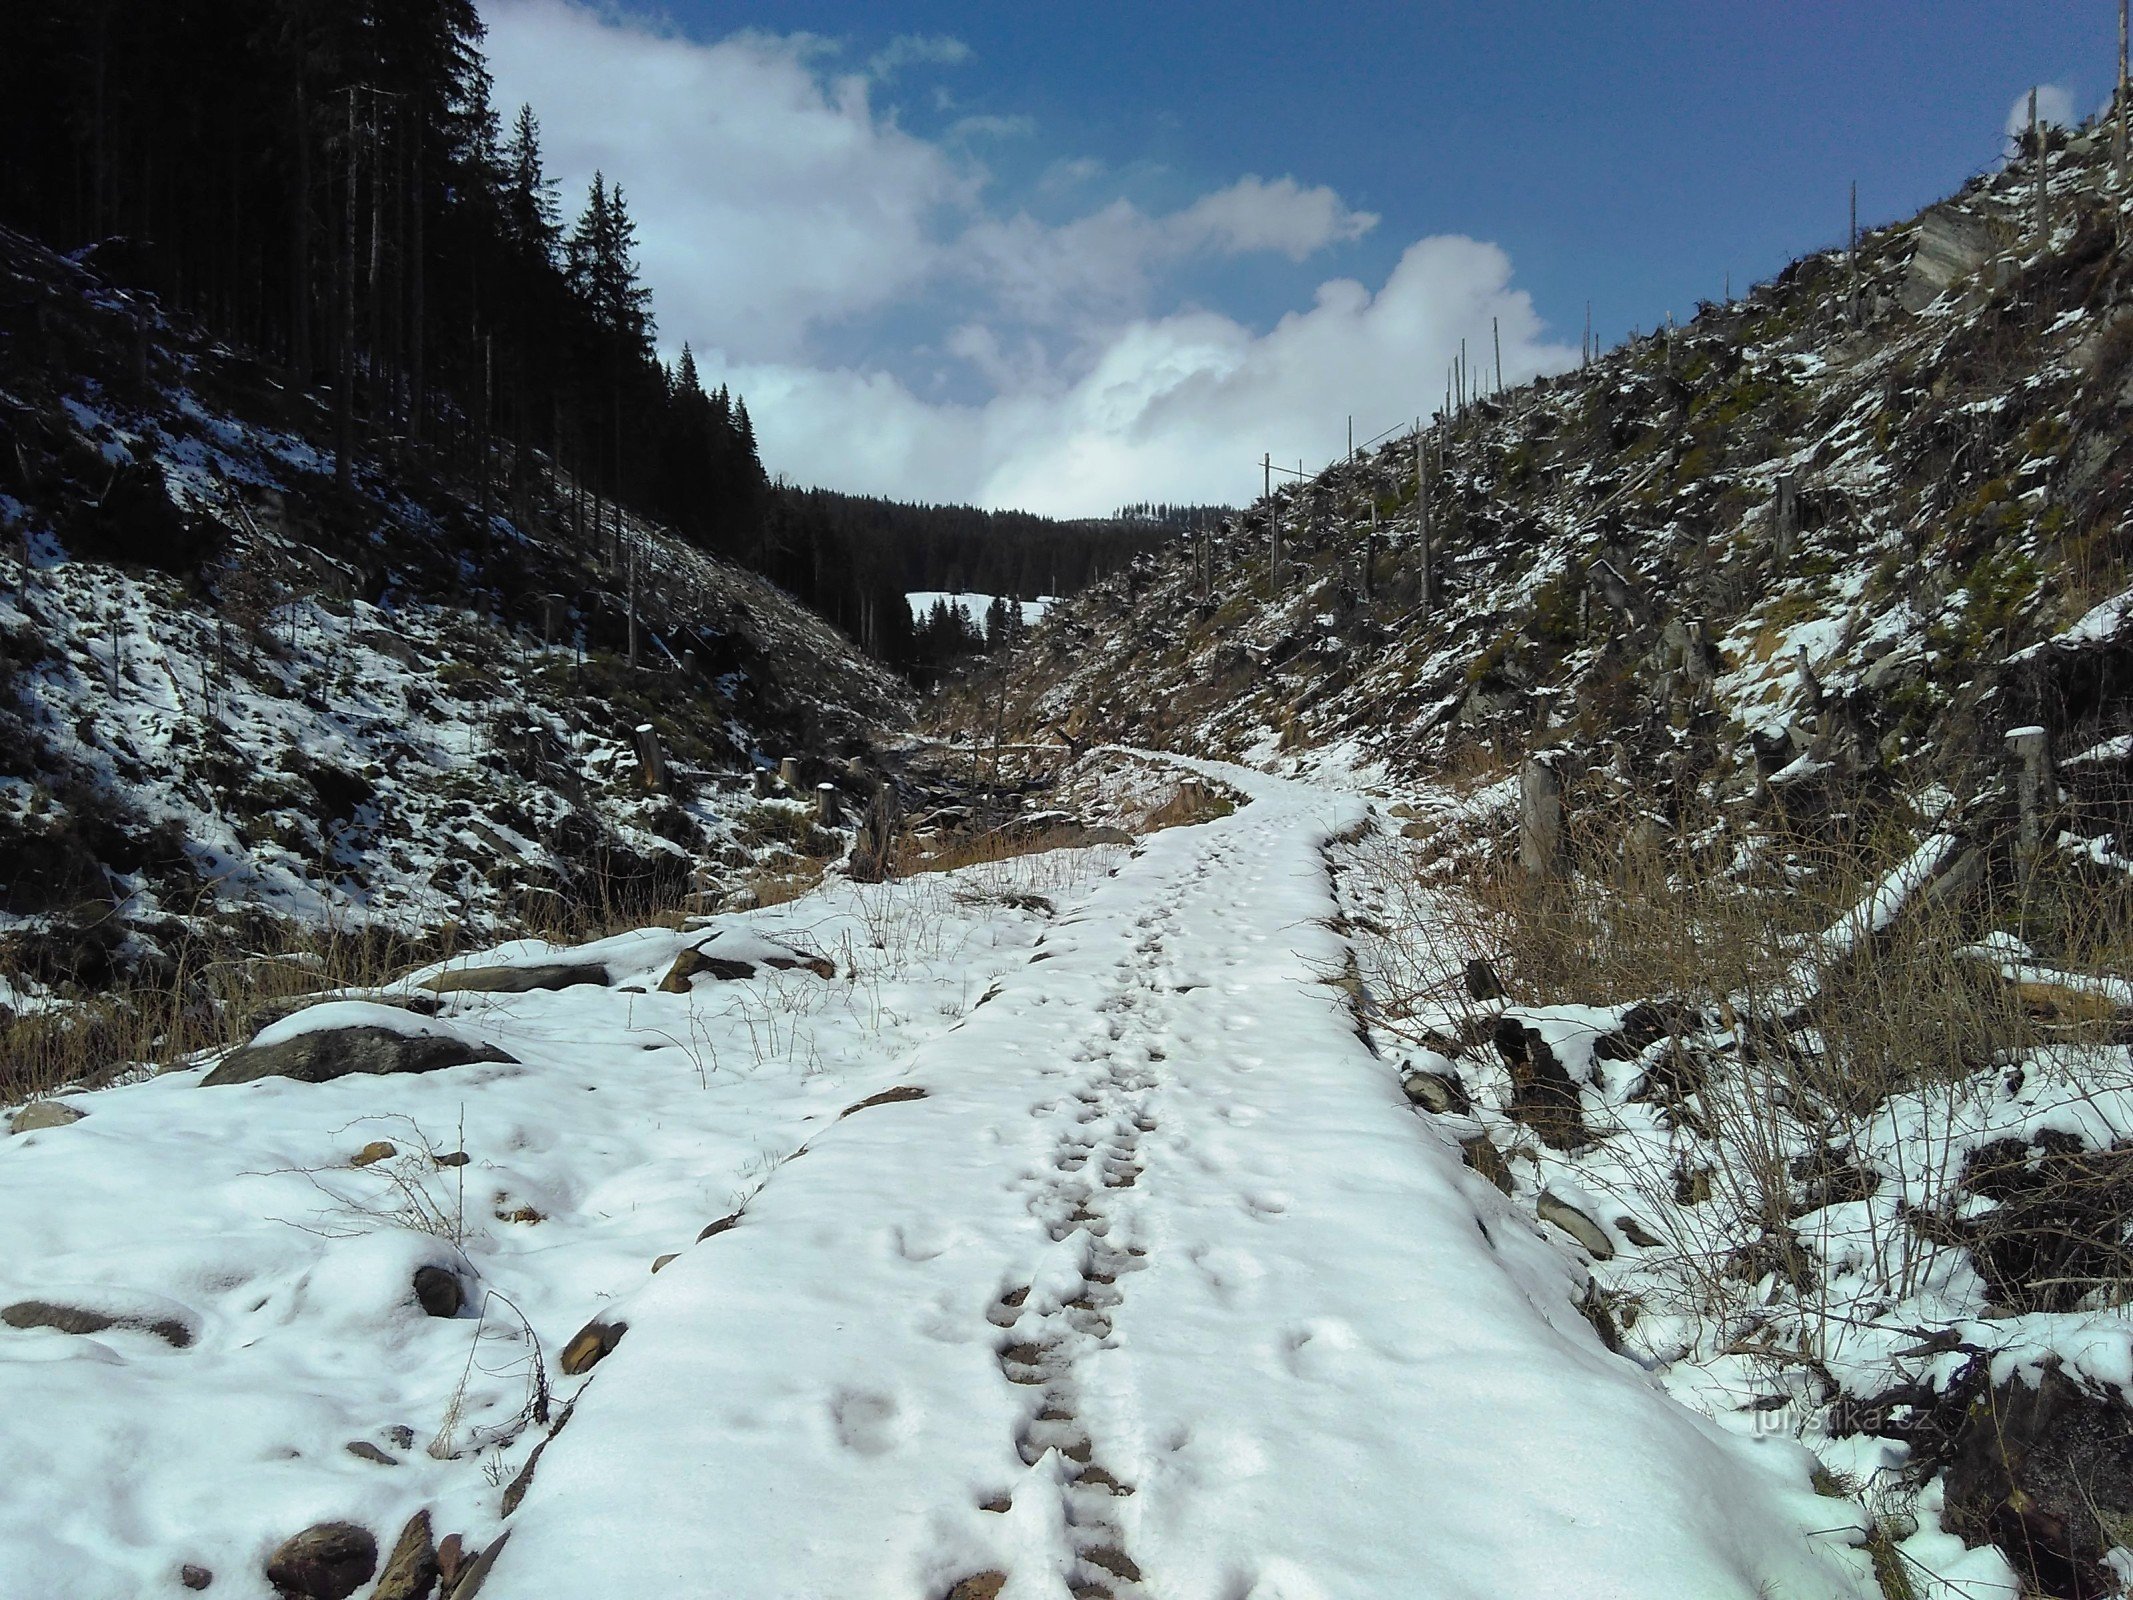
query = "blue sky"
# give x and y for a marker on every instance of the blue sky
(1068, 256)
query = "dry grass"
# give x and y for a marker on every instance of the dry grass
(217, 989)
(915, 855)
(1786, 1040)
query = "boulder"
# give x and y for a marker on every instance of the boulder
(331, 1053)
(43, 1114)
(517, 980)
(411, 1571)
(327, 1561)
(439, 1291)
(1433, 1091)
(590, 1345)
(1481, 1154)
(79, 1319)
(1482, 984)
(193, 1577)
(476, 1572)
(1950, 245)
(693, 963)
(376, 1150)
(1543, 1097)
(731, 954)
(1553, 1208)
(364, 1450)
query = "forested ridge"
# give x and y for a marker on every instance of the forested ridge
(330, 187)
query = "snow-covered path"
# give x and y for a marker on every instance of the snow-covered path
(1158, 1289)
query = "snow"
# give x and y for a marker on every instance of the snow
(1159, 1212)
(974, 605)
(2099, 625)
(351, 1014)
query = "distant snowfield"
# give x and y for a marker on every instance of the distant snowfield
(974, 605)
(1146, 1276)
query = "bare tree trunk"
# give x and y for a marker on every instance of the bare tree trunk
(1422, 510)
(300, 249)
(344, 361)
(2036, 153)
(417, 310)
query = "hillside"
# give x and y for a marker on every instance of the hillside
(233, 696)
(1613, 566)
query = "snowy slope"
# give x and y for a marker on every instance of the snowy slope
(1097, 1253)
(228, 692)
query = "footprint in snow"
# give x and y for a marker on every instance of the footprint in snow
(866, 1422)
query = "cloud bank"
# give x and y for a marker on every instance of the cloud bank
(898, 328)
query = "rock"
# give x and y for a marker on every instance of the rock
(1643, 1026)
(75, 1319)
(1481, 1154)
(517, 980)
(195, 1577)
(411, 1571)
(1593, 1307)
(693, 963)
(1637, 1233)
(515, 1490)
(43, 1114)
(453, 1158)
(340, 1052)
(439, 1290)
(591, 1345)
(1542, 1095)
(661, 1261)
(712, 1229)
(364, 1450)
(328, 1561)
(1433, 1091)
(2043, 1473)
(1950, 245)
(376, 1150)
(451, 1557)
(1482, 984)
(886, 1097)
(1553, 1208)
(979, 1586)
(476, 1571)
(400, 1436)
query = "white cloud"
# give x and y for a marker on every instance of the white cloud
(769, 200)
(914, 50)
(778, 207)
(993, 127)
(1252, 214)
(1177, 407)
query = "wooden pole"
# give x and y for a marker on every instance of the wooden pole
(1540, 816)
(2036, 151)
(1370, 551)
(650, 760)
(2118, 136)
(1496, 334)
(1273, 528)
(1422, 509)
(1854, 236)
